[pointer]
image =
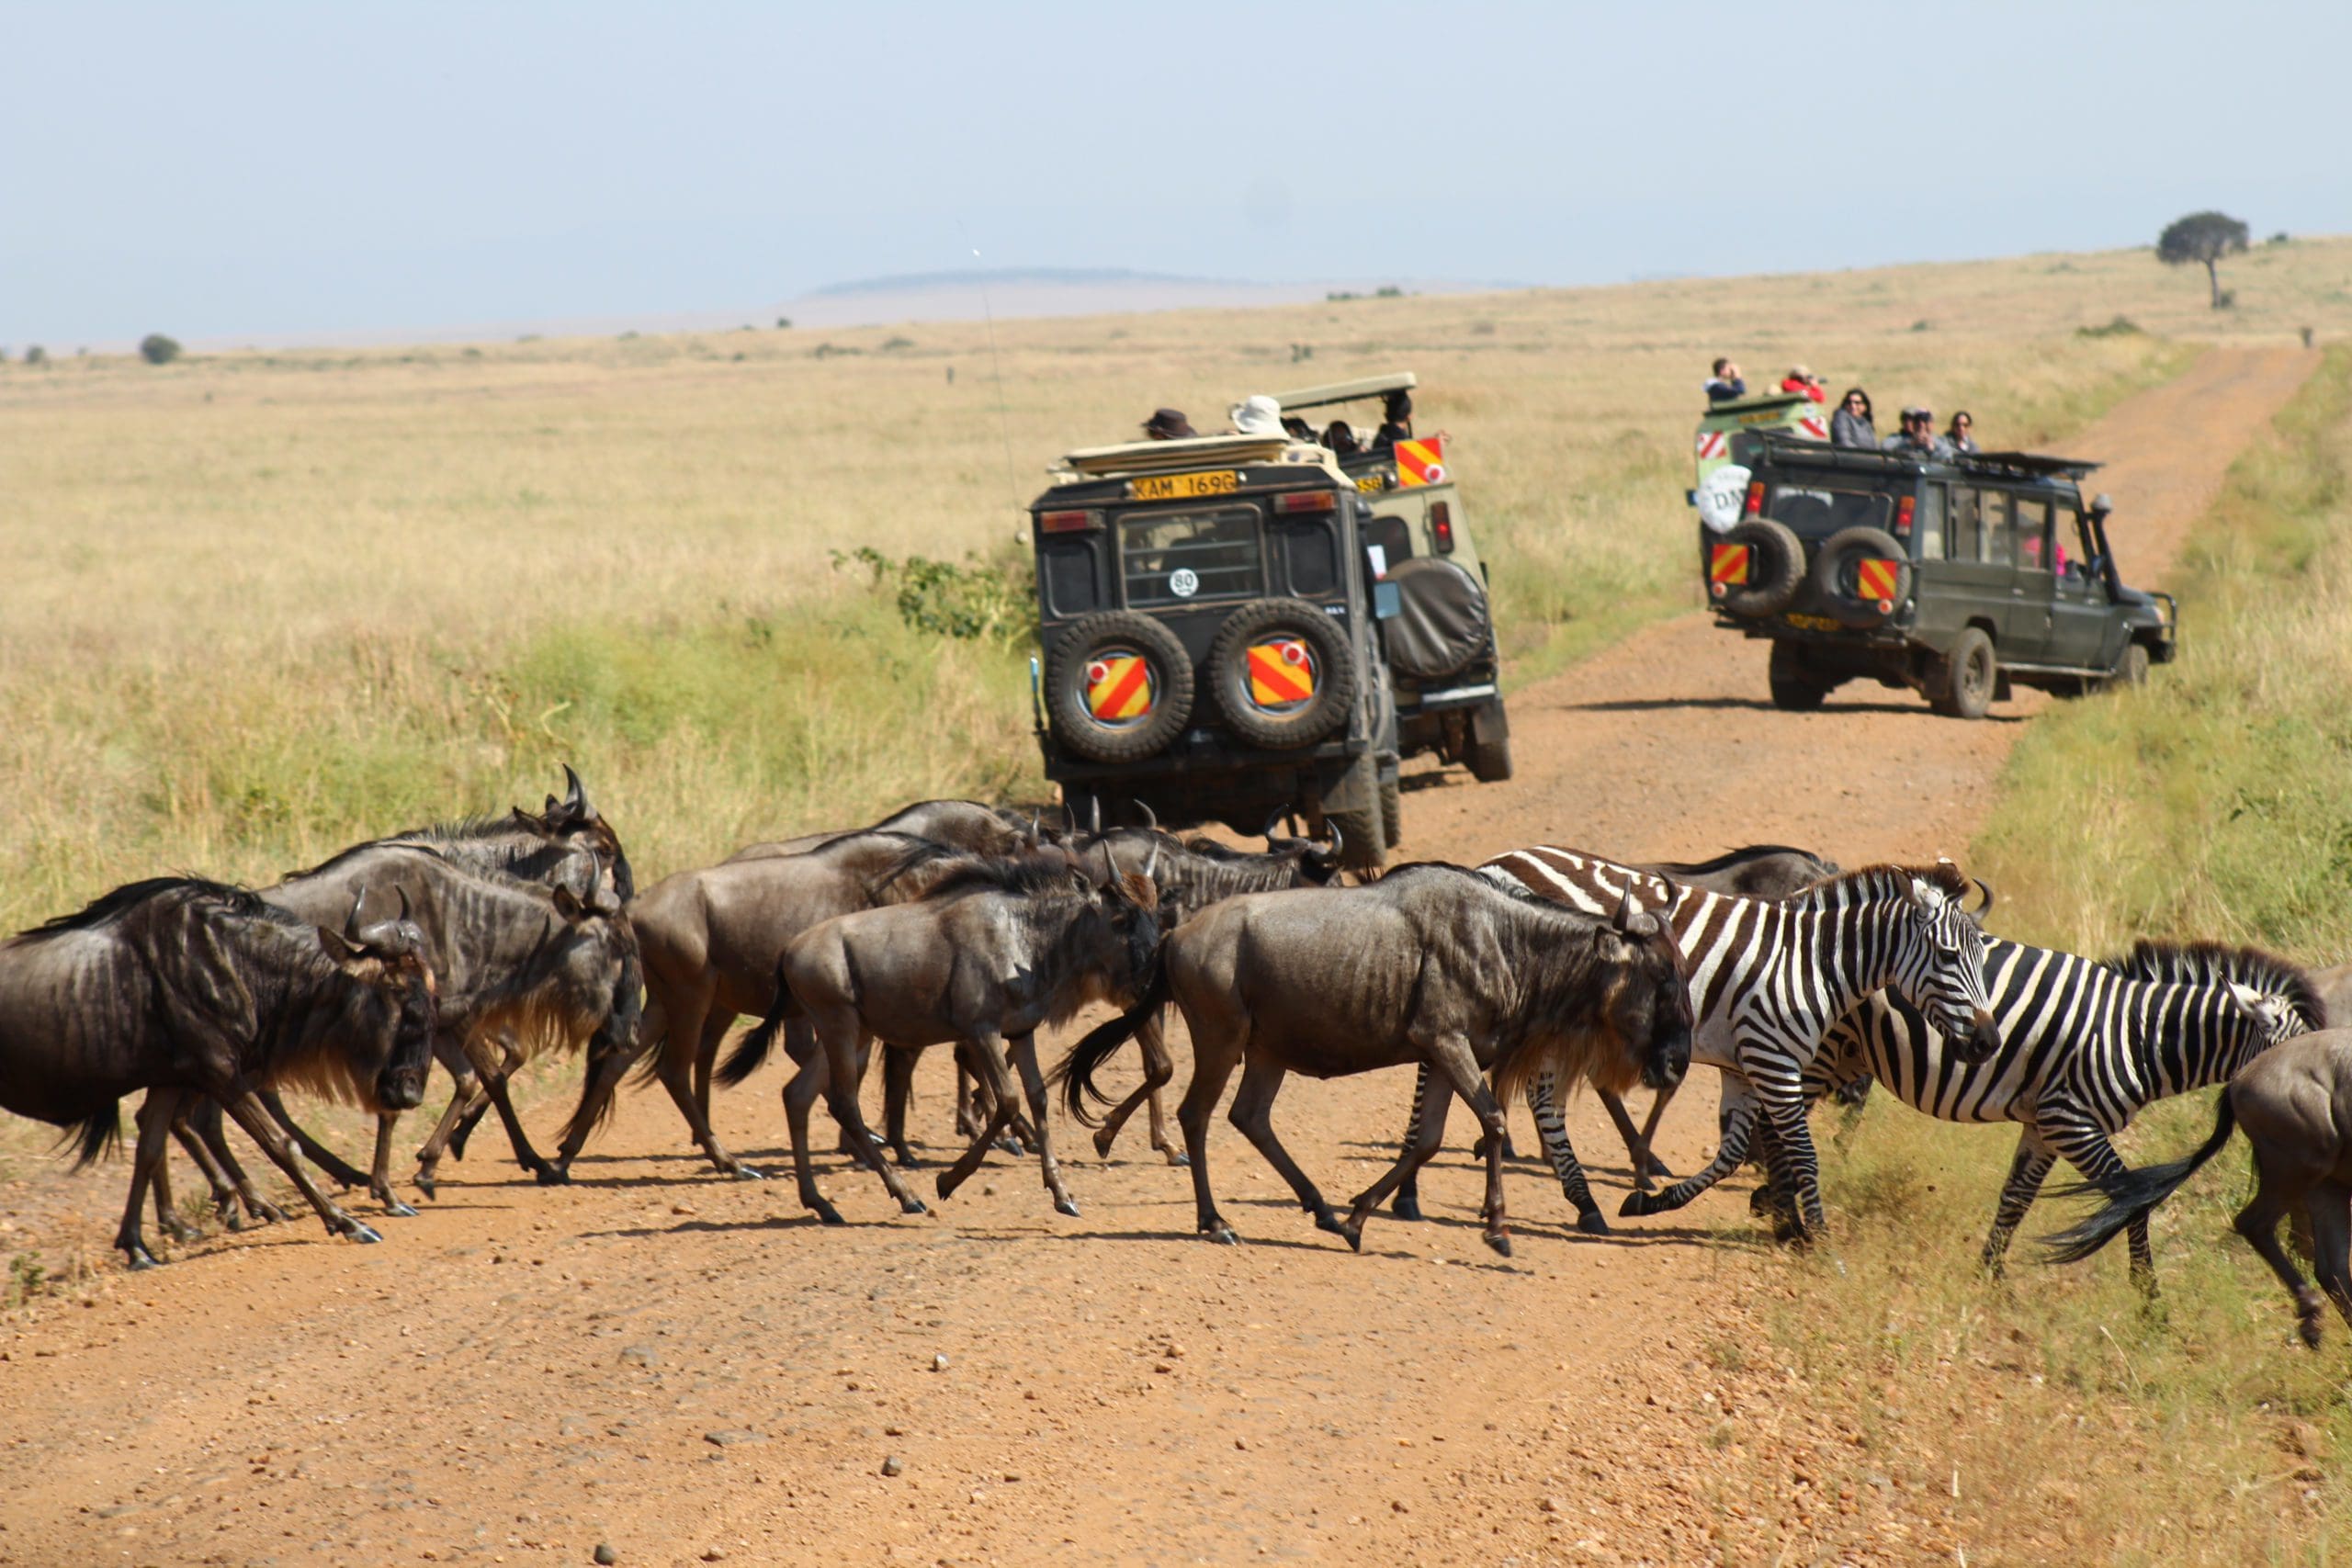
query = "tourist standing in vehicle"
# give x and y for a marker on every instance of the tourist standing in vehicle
(1398, 422)
(1727, 383)
(1168, 425)
(1918, 437)
(1257, 415)
(1800, 379)
(1850, 426)
(1962, 436)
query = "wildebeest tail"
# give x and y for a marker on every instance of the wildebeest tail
(96, 1134)
(754, 1048)
(1076, 1071)
(2132, 1195)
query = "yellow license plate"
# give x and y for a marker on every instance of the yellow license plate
(1811, 623)
(1183, 487)
(1371, 484)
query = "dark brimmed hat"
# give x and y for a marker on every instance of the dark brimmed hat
(1168, 425)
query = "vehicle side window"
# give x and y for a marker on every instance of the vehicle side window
(1928, 526)
(1071, 587)
(1312, 557)
(1394, 536)
(2033, 533)
(2000, 526)
(1966, 525)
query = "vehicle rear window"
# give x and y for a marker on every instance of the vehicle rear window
(1070, 586)
(1817, 513)
(1312, 557)
(1175, 557)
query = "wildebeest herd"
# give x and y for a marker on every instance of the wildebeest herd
(482, 943)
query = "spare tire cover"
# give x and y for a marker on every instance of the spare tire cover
(1442, 623)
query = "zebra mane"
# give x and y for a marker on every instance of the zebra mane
(2219, 963)
(1875, 882)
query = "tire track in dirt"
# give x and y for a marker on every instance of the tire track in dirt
(677, 1364)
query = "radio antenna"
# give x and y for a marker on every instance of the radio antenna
(996, 373)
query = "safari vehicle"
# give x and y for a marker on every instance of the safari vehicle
(1221, 621)
(1958, 577)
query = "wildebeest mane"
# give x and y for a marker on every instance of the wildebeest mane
(2221, 962)
(339, 857)
(920, 855)
(111, 906)
(1025, 876)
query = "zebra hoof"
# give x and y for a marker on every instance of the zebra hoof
(2308, 1329)
(1501, 1244)
(1638, 1205)
(1592, 1224)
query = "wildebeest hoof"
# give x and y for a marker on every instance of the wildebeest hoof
(826, 1213)
(139, 1257)
(1010, 1145)
(1354, 1233)
(179, 1230)
(1325, 1220)
(1592, 1223)
(906, 1160)
(742, 1172)
(427, 1185)
(1222, 1235)
(1104, 1139)
(1406, 1207)
(911, 1204)
(551, 1176)
(1637, 1204)
(1065, 1206)
(399, 1210)
(1177, 1158)
(363, 1234)
(1501, 1244)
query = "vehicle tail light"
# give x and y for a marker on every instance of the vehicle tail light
(1064, 522)
(1306, 501)
(1441, 527)
(1755, 505)
(1902, 509)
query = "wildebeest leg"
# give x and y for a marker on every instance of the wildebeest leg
(1159, 1067)
(166, 1216)
(204, 1113)
(2329, 1203)
(479, 1106)
(2259, 1223)
(597, 1087)
(466, 1098)
(379, 1179)
(1459, 1063)
(1740, 1115)
(897, 1092)
(254, 1118)
(1033, 1082)
(844, 1041)
(1253, 1113)
(1543, 1103)
(1424, 1136)
(2028, 1166)
(680, 1048)
(800, 1092)
(1408, 1205)
(1638, 1148)
(154, 1127)
(338, 1168)
(989, 1068)
(1212, 1060)
(225, 1197)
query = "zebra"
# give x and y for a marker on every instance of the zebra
(2086, 1047)
(1767, 978)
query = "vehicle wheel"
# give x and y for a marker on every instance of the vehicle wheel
(1363, 845)
(1962, 684)
(1795, 687)
(1281, 673)
(2133, 670)
(1775, 568)
(1118, 687)
(1836, 574)
(1392, 811)
(1489, 760)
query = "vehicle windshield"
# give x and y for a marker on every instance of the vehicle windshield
(1813, 511)
(1175, 557)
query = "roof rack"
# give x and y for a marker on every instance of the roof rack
(1165, 456)
(1797, 448)
(1347, 391)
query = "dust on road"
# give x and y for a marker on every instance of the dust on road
(688, 1370)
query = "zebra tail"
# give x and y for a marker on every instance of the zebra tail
(754, 1048)
(2132, 1195)
(1076, 1071)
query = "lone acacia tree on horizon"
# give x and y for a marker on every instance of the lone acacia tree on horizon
(2204, 237)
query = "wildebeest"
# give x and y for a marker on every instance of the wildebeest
(2294, 1103)
(1191, 874)
(995, 951)
(1432, 964)
(2334, 987)
(178, 985)
(965, 824)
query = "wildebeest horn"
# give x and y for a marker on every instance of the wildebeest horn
(1110, 866)
(1267, 832)
(1094, 816)
(577, 799)
(1985, 889)
(1150, 818)
(1624, 918)
(1152, 861)
(1339, 841)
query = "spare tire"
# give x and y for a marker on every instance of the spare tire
(1281, 673)
(1441, 622)
(1118, 687)
(1775, 568)
(1837, 567)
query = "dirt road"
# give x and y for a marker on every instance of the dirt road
(687, 1370)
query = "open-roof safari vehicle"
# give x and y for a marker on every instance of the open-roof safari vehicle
(1958, 577)
(1234, 627)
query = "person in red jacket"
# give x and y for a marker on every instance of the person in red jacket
(1800, 379)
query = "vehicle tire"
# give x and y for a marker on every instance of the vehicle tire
(1961, 685)
(1775, 568)
(1291, 637)
(1489, 760)
(1084, 670)
(1392, 811)
(1796, 688)
(2133, 670)
(1834, 568)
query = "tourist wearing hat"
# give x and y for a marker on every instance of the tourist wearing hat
(1918, 437)
(1257, 415)
(1396, 421)
(1800, 379)
(1850, 426)
(1168, 425)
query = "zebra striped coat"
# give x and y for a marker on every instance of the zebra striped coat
(2086, 1046)
(1767, 978)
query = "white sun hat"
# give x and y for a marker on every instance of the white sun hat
(1259, 415)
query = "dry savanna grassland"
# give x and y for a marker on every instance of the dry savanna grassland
(262, 605)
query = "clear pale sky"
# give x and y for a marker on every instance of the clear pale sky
(280, 169)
